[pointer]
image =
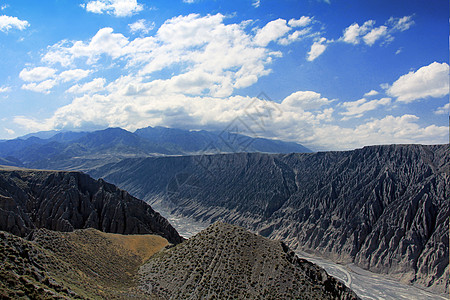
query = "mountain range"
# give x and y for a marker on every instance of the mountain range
(50, 249)
(385, 208)
(84, 150)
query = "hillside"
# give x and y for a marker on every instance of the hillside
(228, 262)
(65, 201)
(383, 207)
(83, 264)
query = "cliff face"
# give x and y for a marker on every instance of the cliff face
(228, 262)
(384, 207)
(64, 201)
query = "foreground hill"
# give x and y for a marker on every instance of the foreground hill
(224, 261)
(84, 264)
(84, 150)
(383, 207)
(228, 262)
(65, 201)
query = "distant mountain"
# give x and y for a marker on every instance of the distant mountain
(228, 262)
(66, 201)
(85, 150)
(385, 208)
(41, 134)
(189, 142)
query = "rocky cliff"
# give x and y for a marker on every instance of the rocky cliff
(383, 207)
(65, 201)
(228, 262)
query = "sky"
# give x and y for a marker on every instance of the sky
(329, 74)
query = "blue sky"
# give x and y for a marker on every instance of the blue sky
(331, 75)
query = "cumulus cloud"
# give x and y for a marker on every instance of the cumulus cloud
(37, 74)
(7, 23)
(388, 130)
(374, 35)
(41, 87)
(271, 32)
(185, 74)
(295, 36)
(43, 79)
(444, 110)
(369, 34)
(317, 49)
(371, 93)
(302, 22)
(306, 100)
(356, 109)
(118, 8)
(94, 86)
(142, 26)
(428, 81)
(73, 75)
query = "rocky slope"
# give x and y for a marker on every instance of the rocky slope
(65, 201)
(228, 262)
(383, 207)
(83, 264)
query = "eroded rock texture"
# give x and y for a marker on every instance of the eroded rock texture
(384, 207)
(64, 201)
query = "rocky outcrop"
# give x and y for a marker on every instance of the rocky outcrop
(383, 207)
(65, 201)
(228, 262)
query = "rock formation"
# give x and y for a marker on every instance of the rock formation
(383, 207)
(65, 201)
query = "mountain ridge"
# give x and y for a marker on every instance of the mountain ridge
(382, 207)
(84, 150)
(66, 201)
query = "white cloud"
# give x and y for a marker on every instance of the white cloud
(302, 22)
(428, 81)
(9, 131)
(7, 23)
(104, 42)
(401, 24)
(317, 49)
(5, 89)
(388, 130)
(184, 75)
(118, 8)
(256, 3)
(353, 33)
(374, 35)
(295, 36)
(356, 109)
(42, 87)
(271, 32)
(141, 26)
(444, 110)
(94, 86)
(37, 74)
(189, 1)
(4, 6)
(306, 100)
(371, 93)
(370, 34)
(73, 75)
